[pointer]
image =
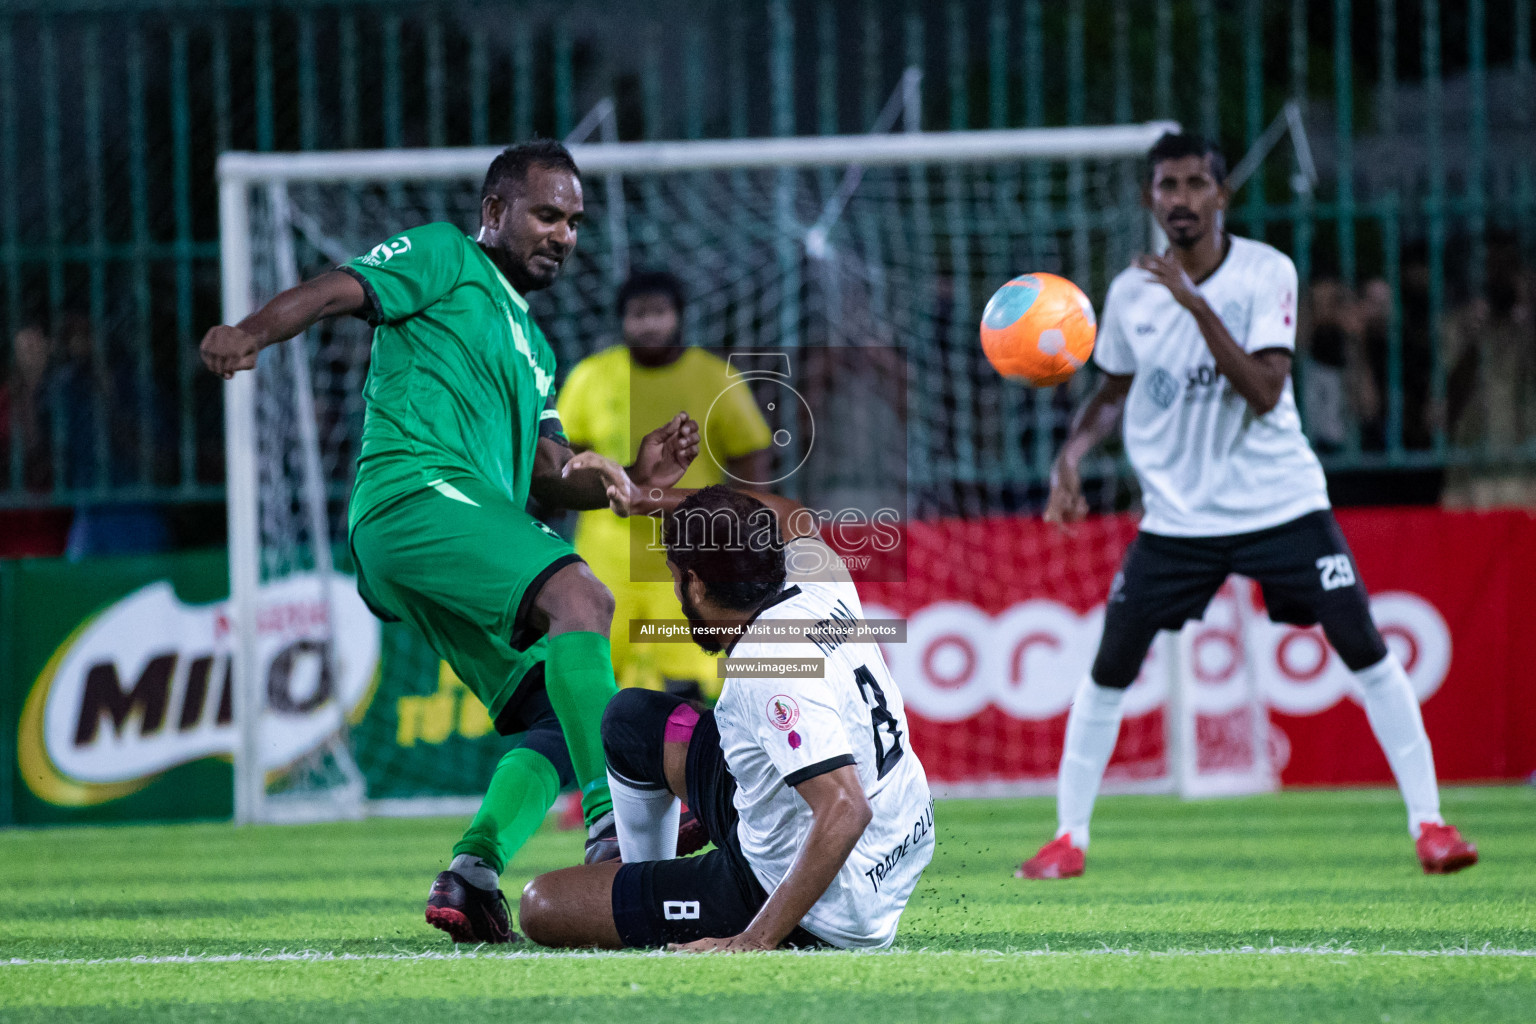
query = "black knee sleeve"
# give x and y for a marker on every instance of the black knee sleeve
(1121, 651)
(634, 728)
(1350, 629)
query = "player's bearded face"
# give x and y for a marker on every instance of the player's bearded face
(703, 635)
(650, 321)
(536, 231)
(1186, 200)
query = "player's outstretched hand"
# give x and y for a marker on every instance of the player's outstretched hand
(1066, 504)
(666, 453)
(228, 349)
(734, 944)
(623, 496)
(1169, 272)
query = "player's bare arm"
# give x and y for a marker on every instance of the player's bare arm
(1095, 421)
(229, 349)
(840, 813)
(1259, 376)
(795, 520)
(586, 480)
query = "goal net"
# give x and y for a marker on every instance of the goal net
(865, 261)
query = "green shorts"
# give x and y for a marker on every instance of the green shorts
(462, 564)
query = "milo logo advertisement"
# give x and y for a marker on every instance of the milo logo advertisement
(135, 703)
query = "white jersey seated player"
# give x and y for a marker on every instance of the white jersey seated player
(818, 808)
(1195, 349)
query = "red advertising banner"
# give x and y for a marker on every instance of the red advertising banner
(1004, 617)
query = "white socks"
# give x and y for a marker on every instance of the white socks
(646, 821)
(475, 871)
(1393, 710)
(1093, 724)
(1092, 727)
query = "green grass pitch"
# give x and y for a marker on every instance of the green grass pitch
(1301, 906)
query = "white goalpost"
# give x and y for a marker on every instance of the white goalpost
(786, 243)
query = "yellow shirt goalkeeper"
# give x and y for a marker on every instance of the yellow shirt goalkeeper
(605, 396)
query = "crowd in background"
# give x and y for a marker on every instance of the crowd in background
(73, 418)
(76, 418)
(1486, 347)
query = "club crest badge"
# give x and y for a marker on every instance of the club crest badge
(783, 712)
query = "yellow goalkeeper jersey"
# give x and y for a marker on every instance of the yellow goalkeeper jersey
(609, 402)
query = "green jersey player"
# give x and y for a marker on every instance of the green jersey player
(460, 430)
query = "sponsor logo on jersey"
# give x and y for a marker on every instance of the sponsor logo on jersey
(794, 741)
(1145, 329)
(1200, 381)
(783, 712)
(385, 251)
(145, 685)
(1162, 388)
(921, 829)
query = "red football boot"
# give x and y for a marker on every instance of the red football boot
(469, 914)
(1442, 850)
(1056, 859)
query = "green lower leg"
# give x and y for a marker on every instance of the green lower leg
(522, 791)
(578, 676)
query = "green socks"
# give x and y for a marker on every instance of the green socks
(521, 792)
(578, 675)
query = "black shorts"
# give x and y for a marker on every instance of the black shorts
(1304, 568)
(712, 895)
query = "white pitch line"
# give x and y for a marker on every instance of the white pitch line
(480, 953)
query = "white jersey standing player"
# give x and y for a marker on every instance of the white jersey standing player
(818, 807)
(1195, 348)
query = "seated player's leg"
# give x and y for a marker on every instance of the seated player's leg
(655, 740)
(1308, 576)
(1162, 583)
(645, 801)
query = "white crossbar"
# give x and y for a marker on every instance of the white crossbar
(1084, 142)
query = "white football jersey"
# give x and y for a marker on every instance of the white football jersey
(1208, 466)
(776, 733)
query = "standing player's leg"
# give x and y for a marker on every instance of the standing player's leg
(466, 900)
(462, 565)
(1162, 583)
(1308, 576)
(575, 610)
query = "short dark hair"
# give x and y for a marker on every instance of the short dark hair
(510, 168)
(652, 282)
(731, 542)
(1177, 145)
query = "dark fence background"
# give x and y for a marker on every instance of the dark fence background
(1418, 374)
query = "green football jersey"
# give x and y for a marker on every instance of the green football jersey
(461, 382)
